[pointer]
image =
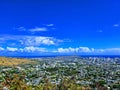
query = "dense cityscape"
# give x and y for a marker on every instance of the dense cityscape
(63, 73)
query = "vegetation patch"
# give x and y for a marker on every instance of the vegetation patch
(4, 61)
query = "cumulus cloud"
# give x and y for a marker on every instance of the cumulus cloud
(33, 49)
(12, 49)
(38, 40)
(28, 40)
(69, 50)
(88, 50)
(25, 49)
(74, 50)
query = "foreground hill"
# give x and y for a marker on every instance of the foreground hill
(5, 61)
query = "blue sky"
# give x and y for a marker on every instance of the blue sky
(59, 27)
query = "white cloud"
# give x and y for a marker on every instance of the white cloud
(38, 29)
(116, 25)
(38, 40)
(49, 25)
(45, 40)
(99, 50)
(1, 49)
(84, 49)
(117, 50)
(12, 49)
(21, 40)
(33, 49)
(88, 50)
(74, 50)
(63, 50)
(25, 49)
(69, 50)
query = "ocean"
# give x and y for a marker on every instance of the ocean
(105, 56)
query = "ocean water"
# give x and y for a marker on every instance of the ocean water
(105, 56)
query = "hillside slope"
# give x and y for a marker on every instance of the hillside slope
(4, 61)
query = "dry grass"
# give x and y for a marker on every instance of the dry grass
(4, 61)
